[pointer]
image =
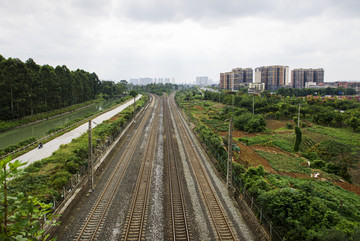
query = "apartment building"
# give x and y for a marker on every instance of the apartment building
(236, 79)
(274, 77)
(202, 80)
(241, 78)
(300, 78)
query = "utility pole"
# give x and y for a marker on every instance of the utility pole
(299, 117)
(90, 162)
(229, 162)
(189, 106)
(253, 105)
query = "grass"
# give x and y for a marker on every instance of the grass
(284, 163)
(345, 135)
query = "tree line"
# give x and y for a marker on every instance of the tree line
(321, 92)
(325, 111)
(28, 88)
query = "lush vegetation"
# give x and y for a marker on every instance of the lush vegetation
(45, 179)
(320, 92)
(22, 216)
(304, 209)
(6, 125)
(28, 88)
(300, 208)
(58, 129)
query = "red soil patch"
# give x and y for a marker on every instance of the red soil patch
(198, 107)
(114, 118)
(271, 149)
(355, 173)
(248, 157)
(350, 187)
(275, 124)
(237, 134)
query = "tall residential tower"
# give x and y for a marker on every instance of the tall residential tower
(301, 78)
(274, 77)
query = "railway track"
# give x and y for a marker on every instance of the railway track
(219, 219)
(137, 214)
(94, 222)
(179, 227)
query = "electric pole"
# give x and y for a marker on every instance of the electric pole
(253, 105)
(189, 106)
(229, 162)
(90, 162)
(299, 117)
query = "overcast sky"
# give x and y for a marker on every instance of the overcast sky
(123, 39)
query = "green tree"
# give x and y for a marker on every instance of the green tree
(133, 93)
(298, 138)
(21, 215)
(354, 123)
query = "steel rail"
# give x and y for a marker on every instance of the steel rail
(95, 218)
(180, 229)
(219, 218)
(136, 217)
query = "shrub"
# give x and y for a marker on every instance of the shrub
(60, 179)
(277, 115)
(295, 119)
(249, 122)
(72, 167)
(318, 164)
(310, 155)
(298, 139)
(289, 125)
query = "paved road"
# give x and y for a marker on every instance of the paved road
(51, 146)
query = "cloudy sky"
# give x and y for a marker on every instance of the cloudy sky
(123, 39)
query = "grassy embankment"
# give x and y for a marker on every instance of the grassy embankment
(23, 146)
(45, 179)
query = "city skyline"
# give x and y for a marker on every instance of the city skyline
(183, 39)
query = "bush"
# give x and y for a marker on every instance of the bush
(289, 125)
(318, 164)
(60, 179)
(277, 115)
(310, 155)
(72, 167)
(298, 139)
(250, 123)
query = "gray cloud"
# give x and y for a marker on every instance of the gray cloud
(182, 38)
(175, 10)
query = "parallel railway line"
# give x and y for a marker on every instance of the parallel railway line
(180, 229)
(95, 219)
(137, 214)
(224, 229)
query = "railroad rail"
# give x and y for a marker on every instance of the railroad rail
(224, 229)
(180, 229)
(137, 214)
(95, 219)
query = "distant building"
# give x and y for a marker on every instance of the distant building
(299, 77)
(225, 81)
(236, 79)
(202, 81)
(241, 78)
(146, 81)
(256, 87)
(274, 77)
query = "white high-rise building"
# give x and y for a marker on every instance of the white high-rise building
(202, 81)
